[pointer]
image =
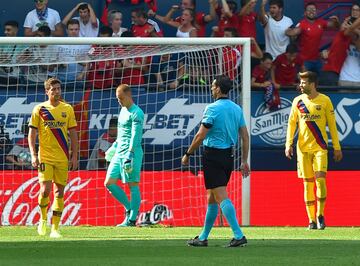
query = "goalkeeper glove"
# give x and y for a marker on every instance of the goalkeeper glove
(128, 163)
(109, 154)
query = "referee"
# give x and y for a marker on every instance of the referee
(221, 125)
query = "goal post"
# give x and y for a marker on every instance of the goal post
(201, 60)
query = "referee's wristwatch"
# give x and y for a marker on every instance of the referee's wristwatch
(188, 154)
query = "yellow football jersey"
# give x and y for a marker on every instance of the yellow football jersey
(53, 124)
(311, 116)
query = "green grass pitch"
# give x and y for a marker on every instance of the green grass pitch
(167, 246)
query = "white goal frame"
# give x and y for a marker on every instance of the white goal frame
(245, 78)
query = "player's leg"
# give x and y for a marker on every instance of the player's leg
(320, 168)
(306, 173)
(60, 180)
(112, 177)
(135, 200)
(45, 174)
(132, 179)
(309, 198)
(57, 208)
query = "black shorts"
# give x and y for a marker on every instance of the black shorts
(217, 165)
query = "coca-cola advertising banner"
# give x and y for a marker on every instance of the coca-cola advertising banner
(175, 198)
(169, 198)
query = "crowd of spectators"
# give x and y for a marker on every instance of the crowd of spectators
(293, 46)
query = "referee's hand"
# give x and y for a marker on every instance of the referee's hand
(185, 160)
(245, 169)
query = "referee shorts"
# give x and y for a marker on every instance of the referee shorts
(217, 165)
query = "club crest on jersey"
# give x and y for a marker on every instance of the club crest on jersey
(318, 107)
(63, 114)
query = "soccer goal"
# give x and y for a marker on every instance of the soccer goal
(170, 80)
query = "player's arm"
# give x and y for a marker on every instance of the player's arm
(331, 121)
(136, 131)
(32, 141)
(293, 119)
(195, 144)
(74, 149)
(245, 143)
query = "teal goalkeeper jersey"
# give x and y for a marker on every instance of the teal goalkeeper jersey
(130, 130)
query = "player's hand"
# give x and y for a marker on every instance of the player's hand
(289, 152)
(337, 155)
(245, 169)
(109, 154)
(128, 164)
(185, 160)
(35, 161)
(74, 163)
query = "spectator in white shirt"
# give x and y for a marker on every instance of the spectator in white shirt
(350, 71)
(42, 15)
(275, 24)
(89, 24)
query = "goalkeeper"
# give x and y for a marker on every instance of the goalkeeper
(125, 155)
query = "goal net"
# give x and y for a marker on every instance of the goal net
(170, 80)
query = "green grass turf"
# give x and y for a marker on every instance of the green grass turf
(167, 246)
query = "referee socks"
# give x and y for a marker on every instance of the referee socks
(229, 212)
(211, 214)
